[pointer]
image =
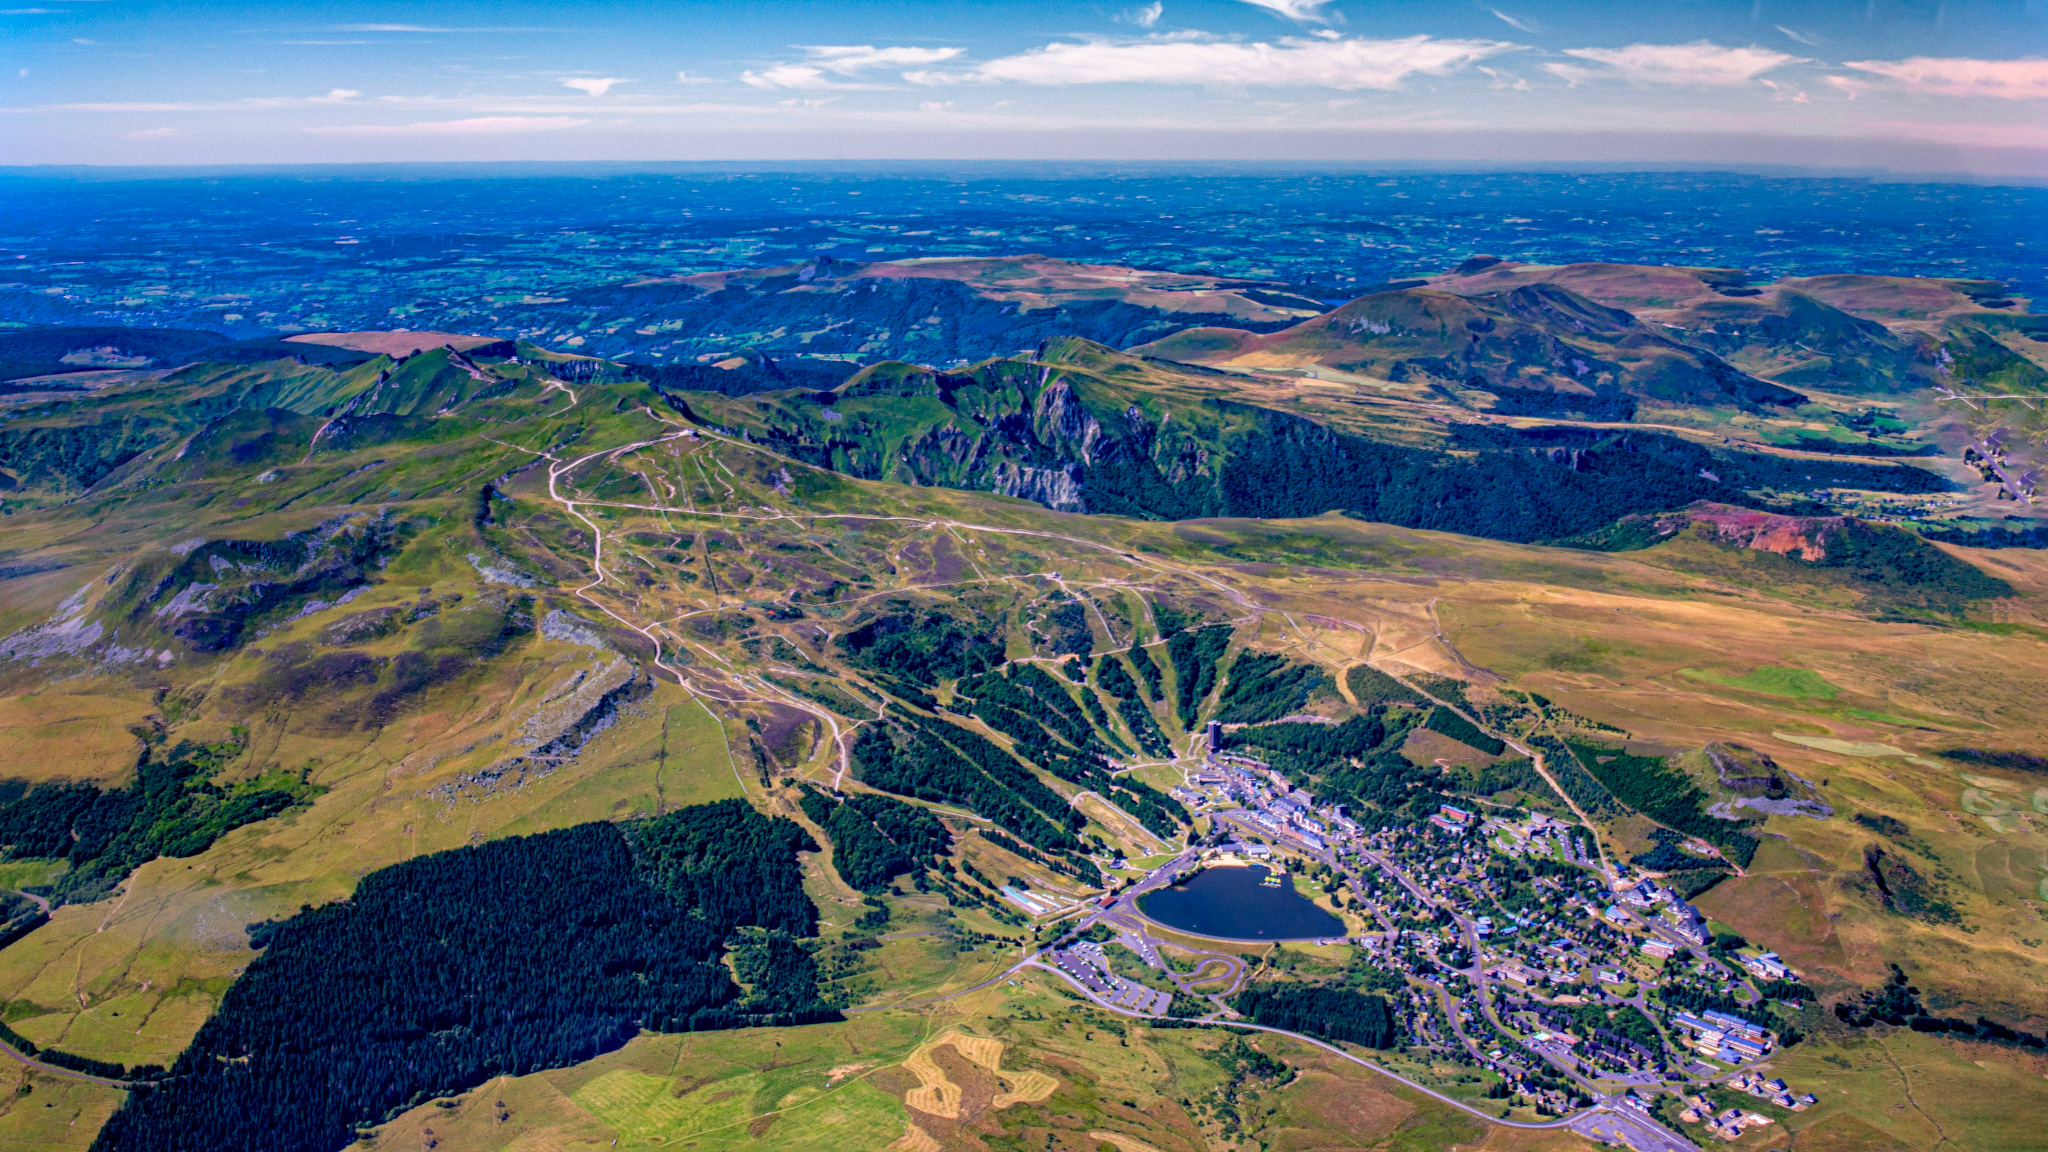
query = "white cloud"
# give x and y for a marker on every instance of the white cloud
(1345, 64)
(592, 85)
(1571, 74)
(1798, 37)
(1300, 11)
(1944, 76)
(1853, 88)
(420, 28)
(789, 76)
(476, 126)
(1519, 23)
(245, 104)
(1146, 17)
(848, 59)
(1784, 92)
(1698, 63)
(935, 106)
(1503, 80)
(152, 133)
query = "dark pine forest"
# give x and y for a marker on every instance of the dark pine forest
(502, 958)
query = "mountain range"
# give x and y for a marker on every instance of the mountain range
(485, 740)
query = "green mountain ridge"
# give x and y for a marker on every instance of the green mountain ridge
(1081, 427)
(287, 627)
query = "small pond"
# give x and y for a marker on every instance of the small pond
(1234, 904)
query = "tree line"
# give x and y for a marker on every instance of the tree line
(1197, 656)
(496, 959)
(875, 838)
(1332, 1013)
(1024, 703)
(171, 808)
(1666, 795)
(1266, 686)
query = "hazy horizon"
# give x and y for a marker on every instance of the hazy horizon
(1881, 86)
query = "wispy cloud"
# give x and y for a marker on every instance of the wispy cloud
(850, 59)
(843, 60)
(1146, 17)
(1344, 64)
(1797, 37)
(1853, 89)
(246, 104)
(1949, 76)
(593, 85)
(1519, 23)
(1784, 92)
(415, 28)
(1700, 63)
(1299, 11)
(793, 76)
(1572, 74)
(153, 134)
(1503, 80)
(475, 126)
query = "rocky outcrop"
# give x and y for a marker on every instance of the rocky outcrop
(1056, 488)
(1805, 537)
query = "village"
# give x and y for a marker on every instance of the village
(1518, 951)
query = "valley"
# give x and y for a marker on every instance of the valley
(1646, 691)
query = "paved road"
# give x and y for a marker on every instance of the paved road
(1649, 1136)
(1627, 1123)
(53, 1070)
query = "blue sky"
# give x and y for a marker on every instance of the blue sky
(1925, 85)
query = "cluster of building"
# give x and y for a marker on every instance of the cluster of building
(1765, 966)
(1728, 1125)
(1268, 798)
(1539, 838)
(1605, 1048)
(1685, 920)
(1546, 940)
(1729, 1039)
(1773, 1090)
(1452, 819)
(1731, 1123)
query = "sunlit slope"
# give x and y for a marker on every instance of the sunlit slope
(563, 600)
(1081, 427)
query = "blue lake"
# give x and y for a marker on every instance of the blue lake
(1232, 904)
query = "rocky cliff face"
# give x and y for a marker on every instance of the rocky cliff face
(1056, 488)
(1887, 563)
(1805, 537)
